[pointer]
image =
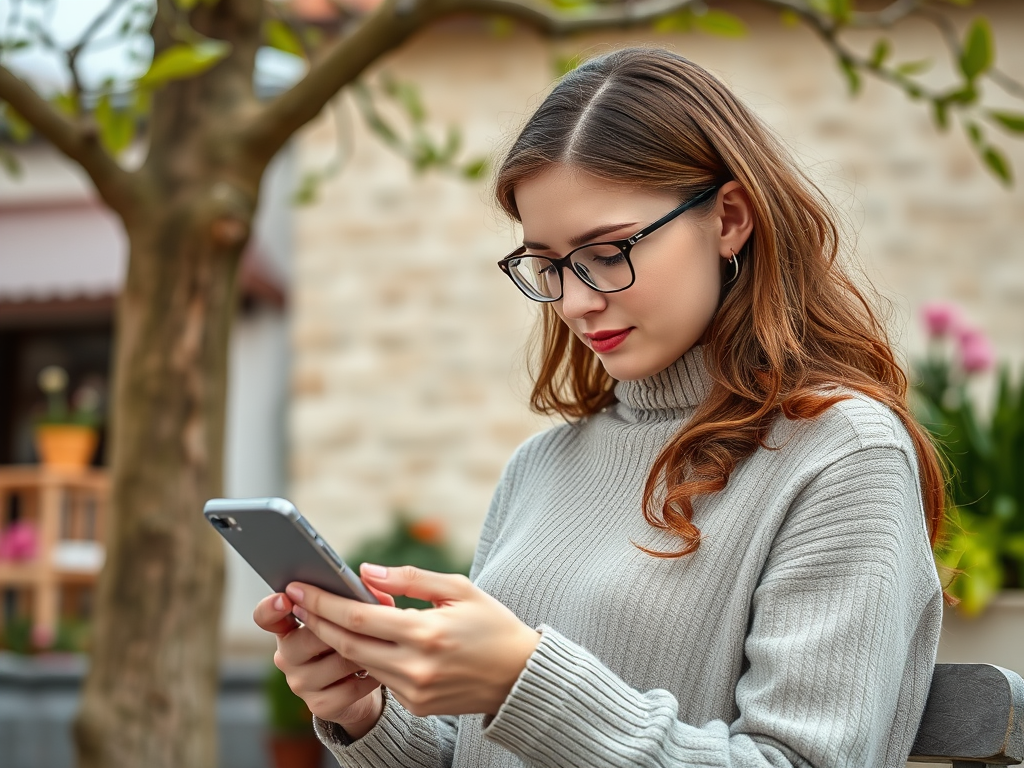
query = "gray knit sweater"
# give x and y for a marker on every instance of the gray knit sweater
(801, 633)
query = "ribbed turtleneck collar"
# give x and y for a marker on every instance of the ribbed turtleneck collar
(680, 387)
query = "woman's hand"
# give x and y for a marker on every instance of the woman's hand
(460, 657)
(319, 676)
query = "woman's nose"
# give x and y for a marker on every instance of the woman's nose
(578, 299)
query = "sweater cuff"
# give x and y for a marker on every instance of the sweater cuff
(380, 747)
(538, 697)
(569, 709)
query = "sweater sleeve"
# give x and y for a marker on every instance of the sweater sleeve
(400, 739)
(846, 611)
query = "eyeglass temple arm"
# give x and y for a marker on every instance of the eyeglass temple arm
(672, 214)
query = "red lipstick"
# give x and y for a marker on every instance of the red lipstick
(606, 341)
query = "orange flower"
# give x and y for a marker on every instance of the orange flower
(427, 531)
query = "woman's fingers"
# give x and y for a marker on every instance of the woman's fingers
(300, 646)
(377, 621)
(436, 588)
(384, 597)
(364, 650)
(274, 614)
(328, 671)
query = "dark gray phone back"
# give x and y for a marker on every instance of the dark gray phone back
(282, 546)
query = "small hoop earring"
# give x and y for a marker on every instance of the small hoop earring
(734, 262)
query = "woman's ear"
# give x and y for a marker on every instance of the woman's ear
(736, 214)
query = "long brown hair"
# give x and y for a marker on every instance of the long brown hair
(789, 331)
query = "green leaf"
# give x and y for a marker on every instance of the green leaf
(1011, 121)
(117, 127)
(975, 134)
(143, 102)
(913, 67)
(10, 163)
(841, 10)
(966, 95)
(940, 111)
(279, 35)
(852, 75)
(306, 193)
(978, 51)
(409, 97)
(186, 5)
(880, 53)
(14, 45)
(374, 121)
(475, 169)
(66, 103)
(790, 18)
(501, 27)
(720, 23)
(18, 127)
(681, 21)
(998, 164)
(183, 61)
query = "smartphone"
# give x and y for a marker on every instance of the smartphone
(282, 546)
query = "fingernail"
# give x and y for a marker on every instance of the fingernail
(278, 603)
(295, 593)
(299, 613)
(376, 571)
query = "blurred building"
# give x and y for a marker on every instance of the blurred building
(408, 378)
(63, 259)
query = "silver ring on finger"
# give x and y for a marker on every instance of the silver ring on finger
(362, 674)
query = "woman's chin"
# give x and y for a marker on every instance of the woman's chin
(626, 368)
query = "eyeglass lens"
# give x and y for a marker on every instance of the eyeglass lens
(602, 266)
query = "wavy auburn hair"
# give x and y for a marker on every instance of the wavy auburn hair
(789, 331)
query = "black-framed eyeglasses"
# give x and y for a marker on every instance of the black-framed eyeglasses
(605, 267)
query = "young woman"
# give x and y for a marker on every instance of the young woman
(723, 558)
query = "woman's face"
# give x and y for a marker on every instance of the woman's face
(645, 328)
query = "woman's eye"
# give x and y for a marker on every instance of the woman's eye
(610, 261)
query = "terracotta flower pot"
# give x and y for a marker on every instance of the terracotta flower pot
(303, 751)
(66, 446)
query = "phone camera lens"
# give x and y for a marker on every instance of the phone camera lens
(220, 522)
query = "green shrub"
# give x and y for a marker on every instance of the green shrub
(289, 715)
(985, 456)
(419, 543)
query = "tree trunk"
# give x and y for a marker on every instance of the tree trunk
(151, 689)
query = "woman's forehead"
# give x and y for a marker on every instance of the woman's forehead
(564, 204)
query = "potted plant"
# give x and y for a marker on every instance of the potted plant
(293, 744)
(410, 542)
(984, 452)
(66, 437)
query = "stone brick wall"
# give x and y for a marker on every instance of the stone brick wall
(408, 384)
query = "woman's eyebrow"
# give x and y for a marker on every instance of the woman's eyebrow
(587, 237)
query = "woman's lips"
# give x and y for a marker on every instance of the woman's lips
(606, 341)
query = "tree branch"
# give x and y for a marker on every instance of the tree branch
(391, 25)
(78, 140)
(949, 34)
(97, 23)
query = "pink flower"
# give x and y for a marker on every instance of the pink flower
(940, 318)
(976, 353)
(42, 637)
(18, 542)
